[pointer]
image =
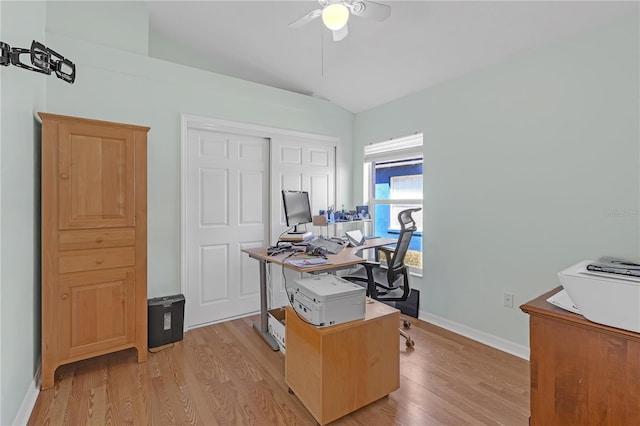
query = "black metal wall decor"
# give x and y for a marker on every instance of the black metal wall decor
(43, 60)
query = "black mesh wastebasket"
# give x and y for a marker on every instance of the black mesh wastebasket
(166, 320)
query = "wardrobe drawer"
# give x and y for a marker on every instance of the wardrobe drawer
(88, 260)
(96, 238)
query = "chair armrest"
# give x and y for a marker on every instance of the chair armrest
(370, 264)
(387, 252)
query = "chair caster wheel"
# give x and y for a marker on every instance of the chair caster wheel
(406, 324)
(290, 391)
(410, 344)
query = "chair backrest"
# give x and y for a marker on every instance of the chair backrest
(396, 265)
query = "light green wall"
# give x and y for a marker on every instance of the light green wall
(23, 93)
(168, 49)
(116, 83)
(530, 166)
(121, 24)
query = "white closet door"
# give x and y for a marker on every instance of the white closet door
(299, 164)
(226, 211)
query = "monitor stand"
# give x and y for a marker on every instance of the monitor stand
(297, 236)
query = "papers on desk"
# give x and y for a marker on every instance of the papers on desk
(561, 299)
(302, 263)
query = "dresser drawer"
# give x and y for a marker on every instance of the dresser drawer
(96, 238)
(88, 260)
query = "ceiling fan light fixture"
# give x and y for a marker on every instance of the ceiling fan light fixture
(335, 16)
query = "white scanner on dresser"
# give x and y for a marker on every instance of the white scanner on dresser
(605, 298)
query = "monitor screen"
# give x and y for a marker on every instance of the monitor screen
(297, 209)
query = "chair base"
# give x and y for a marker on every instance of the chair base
(409, 341)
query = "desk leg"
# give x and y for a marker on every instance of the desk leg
(263, 327)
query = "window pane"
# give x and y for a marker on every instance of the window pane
(406, 187)
(398, 179)
(396, 182)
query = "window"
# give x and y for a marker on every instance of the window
(393, 182)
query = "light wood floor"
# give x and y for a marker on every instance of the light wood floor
(225, 374)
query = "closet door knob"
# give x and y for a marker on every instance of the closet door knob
(99, 261)
(64, 296)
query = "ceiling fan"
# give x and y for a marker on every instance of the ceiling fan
(335, 14)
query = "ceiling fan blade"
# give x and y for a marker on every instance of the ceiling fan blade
(370, 9)
(306, 18)
(341, 33)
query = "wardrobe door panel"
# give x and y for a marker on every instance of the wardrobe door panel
(96, 175)
(96, 312)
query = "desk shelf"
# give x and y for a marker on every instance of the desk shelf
(336, 229)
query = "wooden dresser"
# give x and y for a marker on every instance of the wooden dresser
(94, 240)
(582, 373)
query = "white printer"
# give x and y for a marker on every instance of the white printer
(606, 298)
(328, 300)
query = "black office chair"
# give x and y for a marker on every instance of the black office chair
(390, 283)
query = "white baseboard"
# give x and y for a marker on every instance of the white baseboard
(480, 336)
(29, 401)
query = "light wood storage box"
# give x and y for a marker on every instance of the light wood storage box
(94, 240)
(336, 370)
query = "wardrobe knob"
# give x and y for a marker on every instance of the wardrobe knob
(64, 296)
(99, 261)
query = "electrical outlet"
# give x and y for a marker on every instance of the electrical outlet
(508, 300)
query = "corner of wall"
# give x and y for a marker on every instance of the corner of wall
(29, 401)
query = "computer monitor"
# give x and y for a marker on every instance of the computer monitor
(297, 210)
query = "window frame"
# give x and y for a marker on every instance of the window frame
(407, 148)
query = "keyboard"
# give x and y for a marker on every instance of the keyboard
(330, 246)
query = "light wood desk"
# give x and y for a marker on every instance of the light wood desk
(347, 257)
(338, 369)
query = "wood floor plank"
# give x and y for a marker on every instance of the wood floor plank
(226, 375)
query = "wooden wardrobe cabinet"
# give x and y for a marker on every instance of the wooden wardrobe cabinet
(94, 240)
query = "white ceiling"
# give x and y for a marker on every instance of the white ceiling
(421, 44)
